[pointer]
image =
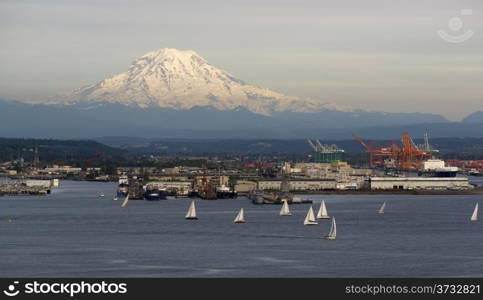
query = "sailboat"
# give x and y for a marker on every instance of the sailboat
(114, 198)
(310, 218)
(240, 218)
(285, 211)
(191, 214)
(124, 203)
(322, 213)
(474, 216)
(381, 210)
(333, 231)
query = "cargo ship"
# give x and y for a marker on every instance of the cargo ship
(437, 168)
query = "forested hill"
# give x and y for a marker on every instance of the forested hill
(51, 150)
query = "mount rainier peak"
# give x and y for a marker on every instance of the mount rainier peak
(180, 80)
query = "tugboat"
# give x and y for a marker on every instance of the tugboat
(224, 192)
(123, 186)
(154, 193)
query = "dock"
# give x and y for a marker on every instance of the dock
(19, 188)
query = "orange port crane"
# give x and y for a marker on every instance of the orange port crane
(411, 157)
(406, 157)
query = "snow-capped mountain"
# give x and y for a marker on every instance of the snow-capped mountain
(172, 93)
(180, 80)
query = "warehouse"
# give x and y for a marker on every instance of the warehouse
(299, 185)
(419, 183)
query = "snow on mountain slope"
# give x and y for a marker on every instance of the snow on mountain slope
(181, 80)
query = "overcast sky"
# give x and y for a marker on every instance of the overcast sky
(373, 54)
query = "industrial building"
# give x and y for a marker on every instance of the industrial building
(173, 185)
(298, 185)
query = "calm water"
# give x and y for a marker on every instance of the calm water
(73, 232)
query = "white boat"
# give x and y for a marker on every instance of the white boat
(322, 213)
(124, 203)
(191, 214)
(333, 231)
(101, 195)
(474, 216)
(381, 210)
(310, 218)
(114, 198)
(285, 211)
(240, 218)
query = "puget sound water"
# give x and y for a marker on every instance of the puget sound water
(75, 233)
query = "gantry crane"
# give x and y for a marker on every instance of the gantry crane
(406, 157)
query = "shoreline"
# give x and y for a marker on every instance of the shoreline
(389, 192)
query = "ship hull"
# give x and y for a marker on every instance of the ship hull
(226, 195)
(154, 195)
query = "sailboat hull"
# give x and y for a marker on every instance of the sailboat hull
(324, 217)
(191, 218)
(239, 222)
(330, 237)
(311, 223)
(289, 214)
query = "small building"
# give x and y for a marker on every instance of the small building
(419, 183)
(40, 183)
(245, 186)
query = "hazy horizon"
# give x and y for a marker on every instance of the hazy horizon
(373, 54)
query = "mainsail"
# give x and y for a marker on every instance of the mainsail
(310, 218)
(285, 211)
(191, 214)
(322, 213)
(240, 217)
(474, 216)
(381, 210)
(124, 203)
(333, 231)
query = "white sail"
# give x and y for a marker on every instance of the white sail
(322, 213)
(285, 211)
(191, 214)
(381, 210)
(474, 216)
(240, 217)
(310, 217)
(333, 231)
(124, 203)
